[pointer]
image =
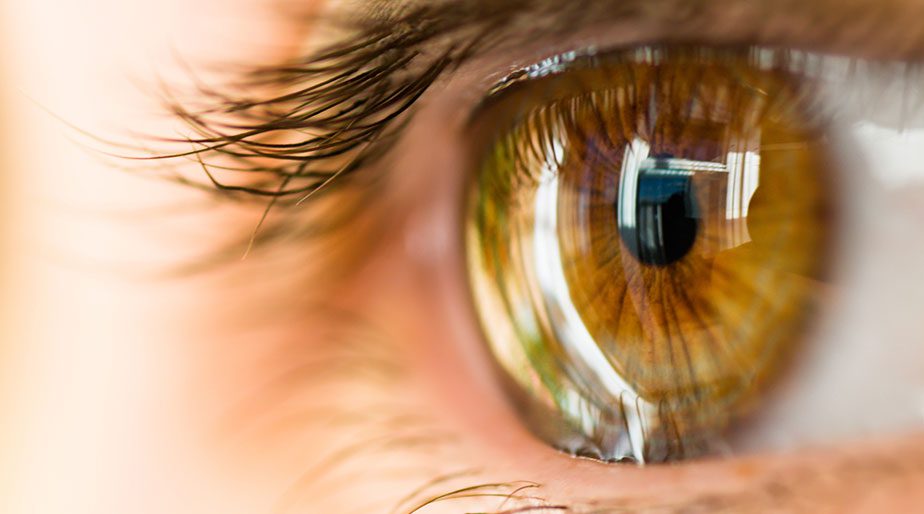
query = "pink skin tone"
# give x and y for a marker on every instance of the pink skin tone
(147, 396)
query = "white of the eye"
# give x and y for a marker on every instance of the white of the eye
(862, 370)
(922, 406)
(897, 155)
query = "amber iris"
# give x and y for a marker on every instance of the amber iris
(646, 239)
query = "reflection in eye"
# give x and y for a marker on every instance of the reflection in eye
(647, 236)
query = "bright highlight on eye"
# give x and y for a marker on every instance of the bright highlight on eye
(647, 236)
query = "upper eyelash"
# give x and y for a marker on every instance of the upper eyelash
(349, 103)
(353, 97)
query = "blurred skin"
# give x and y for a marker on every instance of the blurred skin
(128, 393)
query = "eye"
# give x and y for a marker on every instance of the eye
(651, 237)
(648, 238)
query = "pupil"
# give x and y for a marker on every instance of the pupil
(663, 229)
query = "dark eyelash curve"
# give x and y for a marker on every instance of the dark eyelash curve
(334, 112)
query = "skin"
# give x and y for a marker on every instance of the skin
(368, 392)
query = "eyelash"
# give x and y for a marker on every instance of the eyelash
(351, 98)
(350, 101)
